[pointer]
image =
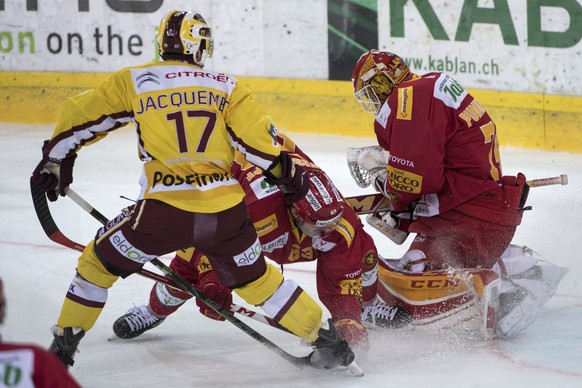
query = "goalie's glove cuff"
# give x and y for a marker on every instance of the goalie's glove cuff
(379, 184)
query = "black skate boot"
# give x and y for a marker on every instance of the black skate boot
(330, 349)
(385, 316)
(65, 343)
(135, 322)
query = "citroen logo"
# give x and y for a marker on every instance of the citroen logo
(145, 77)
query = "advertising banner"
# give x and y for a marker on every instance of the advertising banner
(528, 46)
(269, 38)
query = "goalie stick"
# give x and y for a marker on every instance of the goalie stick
(558, 180)
(176, 281)
(377, 202)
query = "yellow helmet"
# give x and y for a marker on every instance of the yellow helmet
(185, 33)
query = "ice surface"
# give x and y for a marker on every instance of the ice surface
(189, 350)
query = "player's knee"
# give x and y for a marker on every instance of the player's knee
(164, 300)
(415, 261)
(261, 289)
(285, 302)
(119, 254)
(91, 269)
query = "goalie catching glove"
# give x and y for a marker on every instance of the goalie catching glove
(367, 164)
(54, 176)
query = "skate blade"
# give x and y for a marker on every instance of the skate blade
(354, 370)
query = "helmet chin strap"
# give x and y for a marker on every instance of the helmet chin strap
(198, 58)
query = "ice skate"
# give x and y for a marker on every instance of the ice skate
(65, 343)
(382, 315)
(135, 322)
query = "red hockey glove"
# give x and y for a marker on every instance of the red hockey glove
(292, 181)
(210, 287)
(355, 334)
(54, 176)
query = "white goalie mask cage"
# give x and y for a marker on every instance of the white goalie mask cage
(369, 99)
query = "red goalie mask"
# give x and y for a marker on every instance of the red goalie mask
(374, 77)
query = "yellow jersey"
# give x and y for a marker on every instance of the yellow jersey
(189, 121)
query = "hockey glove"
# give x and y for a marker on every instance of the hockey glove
(374, 159)
(390, 218)
(355, 334)
(210, 287)
(54, 176)
(367, 164)
(398, 220)
(330, 349)
(289, 177)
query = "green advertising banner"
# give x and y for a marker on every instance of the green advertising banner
(352, 30)
(526, 46)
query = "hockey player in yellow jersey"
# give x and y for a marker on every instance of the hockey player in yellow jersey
(189, 120)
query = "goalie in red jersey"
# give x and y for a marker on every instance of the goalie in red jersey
(439, 165)
(321, 227)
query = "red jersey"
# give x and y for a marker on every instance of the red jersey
(341, 255)
(346, 258)
(443, 145)
(31, 366)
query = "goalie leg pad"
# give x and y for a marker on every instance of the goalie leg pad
(528, 283)
(443, 300)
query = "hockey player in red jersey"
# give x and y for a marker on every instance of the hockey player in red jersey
(439, 165)
(189, 121)
(443, 173)
(321, 227)
(28, 365)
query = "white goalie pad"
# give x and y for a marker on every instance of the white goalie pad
(527, 283)
(367, 163)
